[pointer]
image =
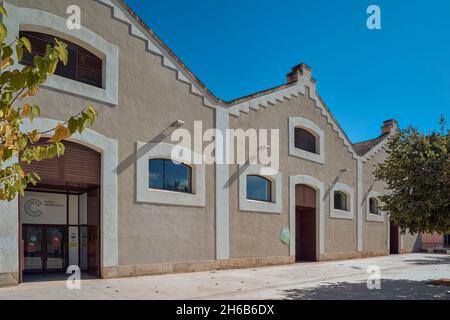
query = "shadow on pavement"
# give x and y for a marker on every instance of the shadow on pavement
(390, 290)
(59, 276)
(445, 259)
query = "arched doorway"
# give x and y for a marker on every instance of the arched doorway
(305, 226)
(60, 216)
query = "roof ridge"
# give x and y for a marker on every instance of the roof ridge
(364, 147)
(298, 80)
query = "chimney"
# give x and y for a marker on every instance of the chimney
(389, 126)
(300, 68)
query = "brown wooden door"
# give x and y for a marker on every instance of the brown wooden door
(305, 228)
(305, 234)
(93, 228)
(393, 243)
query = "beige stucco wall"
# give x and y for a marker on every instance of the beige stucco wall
(256, 234)
(150, 99)
(375, 233)
(411, 242)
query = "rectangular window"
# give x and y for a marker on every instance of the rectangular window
(164, 174)
(259, 188)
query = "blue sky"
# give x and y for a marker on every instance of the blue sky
(237, 47)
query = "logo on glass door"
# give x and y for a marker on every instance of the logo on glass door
(31, 208)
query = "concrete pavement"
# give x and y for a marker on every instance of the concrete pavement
(402, 277)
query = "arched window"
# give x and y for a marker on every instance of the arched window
(305, 140)
(340, 201)
(164, 174)
(374, 206)
(259, 188)
(82, 65)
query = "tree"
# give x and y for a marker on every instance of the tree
(417, 174)
(17, 86)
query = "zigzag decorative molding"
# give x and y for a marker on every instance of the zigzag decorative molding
(374, 151)
(139, 32)
(304, 81)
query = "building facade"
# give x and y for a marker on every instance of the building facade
(433, 241)
(104, 207)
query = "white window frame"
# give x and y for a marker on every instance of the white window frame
(342, 214)
(372, 217)
(299, 122)
(275, 206)
(145, 194)
(26, 19)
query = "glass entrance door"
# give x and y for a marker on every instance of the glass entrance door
(55, 249)
(33, 249)
(45, 249)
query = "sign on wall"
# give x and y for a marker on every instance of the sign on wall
(44, 208)
(73, 245)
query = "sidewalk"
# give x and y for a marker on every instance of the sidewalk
(403, 277)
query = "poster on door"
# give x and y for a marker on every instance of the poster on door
(43, 208)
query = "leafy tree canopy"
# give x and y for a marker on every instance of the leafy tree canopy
(17, 86)
(417, 174)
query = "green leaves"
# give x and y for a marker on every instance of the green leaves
(35, 111)
(42, 152)
(75, 124)
(90, 114)
(61, 49)
(3, 11)
(417, 173)
(19, 52)
(26, 43)
(7, 60)
(16, 87)
(3, 32)
(3, 29)
(20, 44)
(86, 117)
(33, 178)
